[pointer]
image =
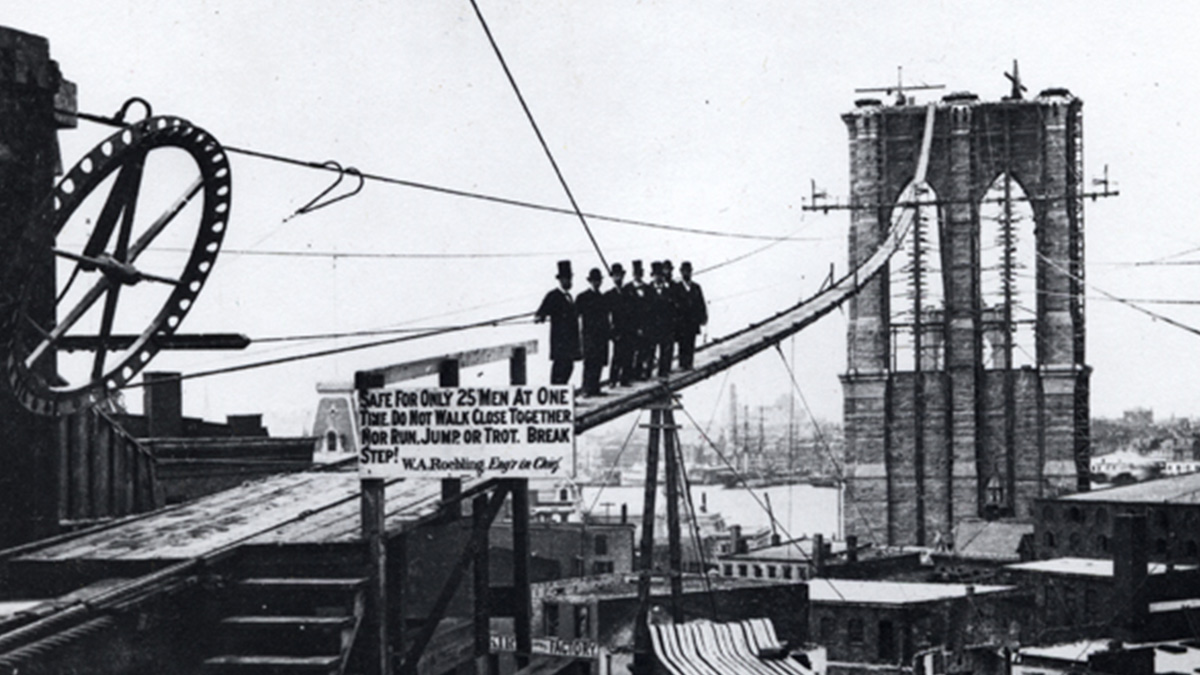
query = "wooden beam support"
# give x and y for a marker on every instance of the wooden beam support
(412, 370)
(643, 658)
(523, 612)
(674, 547)
(481, 591)
(448, 371)
(375, 620)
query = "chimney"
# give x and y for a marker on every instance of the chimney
(735, 536)
(624, 513)
(162, 402)
(818, 555)
(852, 548)
(1130, 570)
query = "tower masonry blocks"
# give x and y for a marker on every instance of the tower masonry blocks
(966, 434)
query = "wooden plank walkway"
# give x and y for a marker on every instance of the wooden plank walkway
(717, 356)
(313, 507)
(732, 349)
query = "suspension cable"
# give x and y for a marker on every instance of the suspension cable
(837, 466)
(541, 139)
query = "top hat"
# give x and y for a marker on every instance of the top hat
(616, 269)
(594, 275)
(656, 267)
(637, 266)
(564, 269)
(685, 265)
(667, 265)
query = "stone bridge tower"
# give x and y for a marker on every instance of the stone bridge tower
(966, 391)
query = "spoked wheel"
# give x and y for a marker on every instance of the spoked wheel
(121, 224)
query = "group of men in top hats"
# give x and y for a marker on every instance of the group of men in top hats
(644, 321)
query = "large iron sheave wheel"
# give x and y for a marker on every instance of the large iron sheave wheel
(88, 300)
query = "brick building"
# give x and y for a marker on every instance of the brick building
(578, 549)
(957, 403)
(1123, 596)
(1081, 525)
(880, 626)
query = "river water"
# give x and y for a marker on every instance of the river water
(801, 510)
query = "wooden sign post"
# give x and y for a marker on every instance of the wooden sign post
(508, 434)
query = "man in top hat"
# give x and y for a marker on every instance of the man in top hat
(643, 347)
(559, 307)
(692, 314)
(621, 309)
(660, 311)
(593, 315)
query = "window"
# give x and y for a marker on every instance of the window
(562, 495)
(331, 441)
(787, 571)
(582, 621)
(771, 571)
(887, 642)
(601, 544)
(728, 570)
(1073, 542)
(827, 628)
(1076, 514)
(855, 631)
(602, 567)
(758, 571)
(1048, 513)
(1102, 543)
(742, 570)
(1101, 515)
(1048, 539)
(551, 617)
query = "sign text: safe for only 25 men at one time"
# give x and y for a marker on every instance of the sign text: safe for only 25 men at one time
(439, 432)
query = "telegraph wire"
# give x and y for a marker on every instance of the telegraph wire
(507, 321)
(368, 255)
(455, 192)
(541, 139)
(1128, 303)
(332, 351)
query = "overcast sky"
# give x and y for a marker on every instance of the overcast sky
(711, 115)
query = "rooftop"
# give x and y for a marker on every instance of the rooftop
(1184, 489)
(989, 540)
(891, 592)
(1091, 567)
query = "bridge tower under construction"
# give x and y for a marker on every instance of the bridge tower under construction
(966, 390)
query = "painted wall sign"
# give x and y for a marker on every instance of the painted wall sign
(493, 432)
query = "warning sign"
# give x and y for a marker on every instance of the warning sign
(510, 432)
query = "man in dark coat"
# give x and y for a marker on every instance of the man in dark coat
(624, 329)
(593, 315)
(559, 307)
(660, 313)
(692, 314)
(643, 347)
